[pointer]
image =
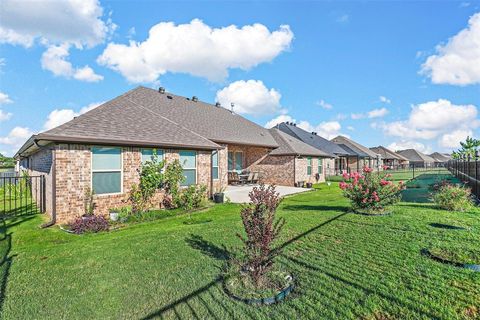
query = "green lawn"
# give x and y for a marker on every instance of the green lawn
(346, 266)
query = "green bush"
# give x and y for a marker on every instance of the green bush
(192, 197)
(453, 198)
(173, 177)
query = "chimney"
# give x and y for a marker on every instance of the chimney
(218, 104)
(194, 98)
(161, 90)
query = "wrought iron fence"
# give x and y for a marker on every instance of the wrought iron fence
(22, 195)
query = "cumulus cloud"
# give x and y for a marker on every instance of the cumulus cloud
(435, 119)
(78, 22)
(60, 116)
(197, 49)
(281, 118)
(250, 97)
(4, 116)
(54, 60)
(384, 99)
(408, 144)
(58, 25)
(324, 105)
(458, 61)
(4, 98)
(375, 113)
(16, 137)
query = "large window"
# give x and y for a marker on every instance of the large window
(188, 160)
(147, 155)
(230, 161)
(238, 161)
(309, 166)
(215, 165)
(320, 166)
(106, 170)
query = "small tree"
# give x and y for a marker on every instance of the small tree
(173, 177)
(261, 230)
(89, 204)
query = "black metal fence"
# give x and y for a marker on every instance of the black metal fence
(468, 171)
(410, 171)
(22, 195)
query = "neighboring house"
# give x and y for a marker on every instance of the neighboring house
(337, 154)
(417, 159)
(390, 159)
(359, 156)
(104, 148)
(293, 161)
(440, 158)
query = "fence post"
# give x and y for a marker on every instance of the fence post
(476, 173)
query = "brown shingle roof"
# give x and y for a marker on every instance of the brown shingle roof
(289, 145)
(387, 153)
(127, 122)
(215, 123)
(440, 157)
(415, 156)
(361, 151)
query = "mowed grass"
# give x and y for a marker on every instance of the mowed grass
(346, 266)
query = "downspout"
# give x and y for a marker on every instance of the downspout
(53, 220)
(294, 170)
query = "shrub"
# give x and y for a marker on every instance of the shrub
(136, 199)
(89, 204)
(261, 230)
(453, 198)
(192, 197)
(173, 177)
(151, 178)
(94, 223)
(370, 191)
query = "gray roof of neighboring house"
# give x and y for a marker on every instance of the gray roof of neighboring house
(415, 156)
(289, 145)
(360, 151)
(314, 140)
(388, 154)
(215, 123)
(146, 117)
(440, 157)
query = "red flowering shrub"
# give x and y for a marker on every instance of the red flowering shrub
(94, 223)
(370, 192)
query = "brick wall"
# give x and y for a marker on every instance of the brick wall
(40, 163)
(278, 170)
(73, 165)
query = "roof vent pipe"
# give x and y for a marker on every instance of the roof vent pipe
(161, 90)
(218, 104)
(194, 98)
(294, 124)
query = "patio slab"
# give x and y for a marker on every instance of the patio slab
(239, 194)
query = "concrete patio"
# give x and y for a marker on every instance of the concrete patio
(239, 194)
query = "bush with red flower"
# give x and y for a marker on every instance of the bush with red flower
(370, 192)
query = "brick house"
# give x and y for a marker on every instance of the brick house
(359, 156)
(416, 158)
(103, 149)
(391, 159)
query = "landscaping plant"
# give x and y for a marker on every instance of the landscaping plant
(94, 223)
(370, 192)
(192, 197)
(173, 177)
(89, 204)
(453, 198)
(261, 230)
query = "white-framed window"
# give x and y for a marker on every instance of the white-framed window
(320, 166)
(147, 154)
(309, 166)
(106, 170)
(215, 165)
(188, 160)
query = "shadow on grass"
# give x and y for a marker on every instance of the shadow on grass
(303, 207)
(219, 253)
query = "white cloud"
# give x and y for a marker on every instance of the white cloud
(458, 61)
(60, 116)
(408, 144)
(357, 116)
(384, 99)
(377, 113)
(16, 137)
(281, 118)
(434, 119)
(78, 22)
(351, 128)
(452, 139)
(4, 98)
(344, 18)
(197, 49)
(4, 116)
(250, 97)
(54, 60)
(324, 105)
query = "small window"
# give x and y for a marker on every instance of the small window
(106, 170)
(320, 166)
(215, 165)
(309, 166)
(147, 155)
(188, 160)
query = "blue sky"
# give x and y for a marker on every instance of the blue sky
(352, 68)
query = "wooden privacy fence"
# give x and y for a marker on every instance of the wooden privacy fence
(22, 195)
(467, 170)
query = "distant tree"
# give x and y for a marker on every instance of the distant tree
(468, 147)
